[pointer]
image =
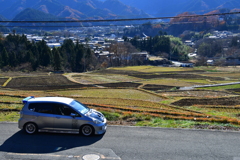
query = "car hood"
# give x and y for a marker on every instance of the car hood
(97, 115)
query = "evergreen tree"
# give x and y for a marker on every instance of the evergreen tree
(5, 57)
(1, 61)
(29, 56)
(67, 52)
(88, 57)
(79, 56)
(56, 60)
(45, 56)
(12, 59)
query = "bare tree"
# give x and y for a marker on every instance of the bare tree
(122, 53)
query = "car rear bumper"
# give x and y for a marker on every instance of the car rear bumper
(20, 123)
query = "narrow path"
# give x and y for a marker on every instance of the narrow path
(69, 77)
(5, 84)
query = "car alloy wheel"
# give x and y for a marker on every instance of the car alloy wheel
(30, 128)
(87, 130)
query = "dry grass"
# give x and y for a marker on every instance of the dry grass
(99, 78)
(153, 69)
(168, 82)
(111, 93)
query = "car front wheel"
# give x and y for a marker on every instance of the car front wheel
(87, 130)
(30, 128)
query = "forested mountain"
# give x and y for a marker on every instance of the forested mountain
(32, 14)
(110, 9)
(174, 7)
(78, 9)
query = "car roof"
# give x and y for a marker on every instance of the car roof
(51, 99)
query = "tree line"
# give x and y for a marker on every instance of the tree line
(162, 45)
(16, 50)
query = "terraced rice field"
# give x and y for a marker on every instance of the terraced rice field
(133, 94)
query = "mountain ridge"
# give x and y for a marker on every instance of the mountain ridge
(162, 8)
(78, 9)
(113, 9)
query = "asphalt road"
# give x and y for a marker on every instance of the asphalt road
(121, 143)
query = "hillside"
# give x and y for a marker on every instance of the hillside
(173, 7)
(110, 9)
(78, 9)
(32, 14)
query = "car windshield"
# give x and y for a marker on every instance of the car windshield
(80, 107)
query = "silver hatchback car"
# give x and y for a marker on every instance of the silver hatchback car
(60, 115)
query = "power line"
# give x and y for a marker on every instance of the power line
(120, 20)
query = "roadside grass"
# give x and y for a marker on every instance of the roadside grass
(170, 123)
(9, 116)
(166, 123)
(111, 116)
(220, 111)
(222, 114)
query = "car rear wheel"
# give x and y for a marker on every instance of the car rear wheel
(87, 130)
(30, 128)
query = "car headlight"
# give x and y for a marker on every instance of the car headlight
(96, 121)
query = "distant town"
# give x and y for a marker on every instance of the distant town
(100, 38)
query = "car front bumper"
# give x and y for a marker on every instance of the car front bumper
(101, 130)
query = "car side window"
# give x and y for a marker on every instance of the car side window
(65, 110)
(41, 108)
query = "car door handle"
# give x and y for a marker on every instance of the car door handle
(58, 117)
